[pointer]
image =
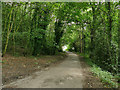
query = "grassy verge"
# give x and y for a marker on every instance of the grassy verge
(107, 78)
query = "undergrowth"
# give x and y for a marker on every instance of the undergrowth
(106, 77)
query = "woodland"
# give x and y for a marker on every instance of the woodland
(44, 28)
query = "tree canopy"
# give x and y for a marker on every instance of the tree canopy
(35, 28)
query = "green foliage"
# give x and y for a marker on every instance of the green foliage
(37, 28)
(106, 77)
(38, 33)
(109, 80)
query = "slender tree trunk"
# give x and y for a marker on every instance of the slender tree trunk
(84, 43)
(58, 33)
(83, 39)
(80, 42)
(14, 41)
(8, 33)
(110, 34)
(14, 31)
(119, 48)
(109, 23)
(5, 22)
(93, 32)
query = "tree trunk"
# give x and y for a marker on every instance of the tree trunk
(83, 39)
(109, 23)
(58, 33)
(8, 33)
(80, 42)
(110, 34)
(119, 48)
(93, 32)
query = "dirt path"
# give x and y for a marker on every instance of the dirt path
(68, 74)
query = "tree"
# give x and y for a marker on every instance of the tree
(93, 31)
(119, 44)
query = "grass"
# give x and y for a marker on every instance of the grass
(107, 78)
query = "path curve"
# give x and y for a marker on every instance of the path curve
(67, 74)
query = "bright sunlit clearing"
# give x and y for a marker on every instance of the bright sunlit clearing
(64, 48)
